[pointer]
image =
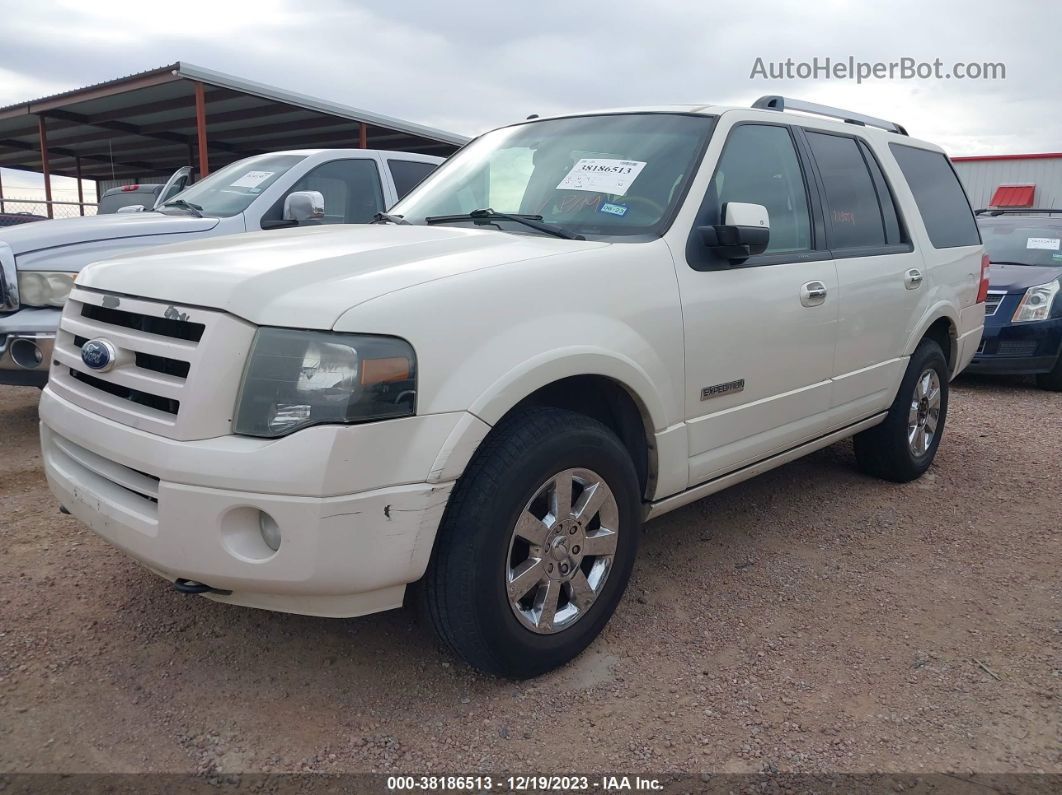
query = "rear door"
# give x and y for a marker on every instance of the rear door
(880, 275)
(759, 349)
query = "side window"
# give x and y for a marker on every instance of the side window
(351, 190)
(939, 196)
(407, 174)
(894, 232)
(852, 214)
(759, 165)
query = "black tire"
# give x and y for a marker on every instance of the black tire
(884, 450)
(1053, 379)
(463, 593)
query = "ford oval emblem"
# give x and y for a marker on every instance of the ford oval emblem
(99, 355)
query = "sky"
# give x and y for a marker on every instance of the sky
(470, 66)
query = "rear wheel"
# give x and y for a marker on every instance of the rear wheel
(536, 546)
(1053, 379)
(902, 447)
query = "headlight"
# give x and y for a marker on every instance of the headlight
(1036, 303)
(44, 288)
(294, 379)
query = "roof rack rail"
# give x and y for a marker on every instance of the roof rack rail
(775, 102)
(1016, 211)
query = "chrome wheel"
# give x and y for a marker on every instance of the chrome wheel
(561, 550)
(924, 415)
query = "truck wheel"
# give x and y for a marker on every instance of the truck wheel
(536, 546)
(1053, 379)
(902, 447)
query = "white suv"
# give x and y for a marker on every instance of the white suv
(576, 324)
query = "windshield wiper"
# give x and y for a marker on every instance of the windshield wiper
(194, 209)
(531, 221)
(387, 218)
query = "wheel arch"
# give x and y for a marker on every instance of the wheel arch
(941, 325)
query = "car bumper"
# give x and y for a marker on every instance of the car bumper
(1019, 349)
(171, 506)
(26, 341)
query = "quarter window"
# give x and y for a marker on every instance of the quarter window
(759, 165)
(407, 174)
(939, 195)
(853, 215)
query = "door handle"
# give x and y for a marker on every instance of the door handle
(813, 293)
(912, 280)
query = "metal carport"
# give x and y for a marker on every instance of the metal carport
(148, 124)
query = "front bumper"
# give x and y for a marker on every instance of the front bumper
(27, 338)
(191, 509)
(1018, 348)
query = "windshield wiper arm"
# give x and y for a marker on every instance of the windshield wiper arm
(387, 218)
(531, 221)
(194, 209)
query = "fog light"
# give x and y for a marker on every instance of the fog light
(270, 530)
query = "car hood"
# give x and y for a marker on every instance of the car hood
(308, 277)
(25, 238)
(1018, 278)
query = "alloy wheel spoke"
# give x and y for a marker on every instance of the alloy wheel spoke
(532, 529)
(590, 502)
(582, 595)
(546, 603)
(562, 496)
(525, 577)
(602, 542)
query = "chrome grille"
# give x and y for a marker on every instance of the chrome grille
(993, 302)
(177, 368)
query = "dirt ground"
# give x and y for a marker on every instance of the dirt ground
(810, 620)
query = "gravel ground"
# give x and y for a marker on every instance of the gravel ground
(811, 620)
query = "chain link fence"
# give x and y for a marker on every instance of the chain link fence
(23, 204)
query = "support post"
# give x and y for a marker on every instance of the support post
(2, 208)
(42, 131)
(363, 135)
(200, 129)
(80, 190)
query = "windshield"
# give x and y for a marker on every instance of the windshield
(231, 190)
(1023, 242)
(617, 174)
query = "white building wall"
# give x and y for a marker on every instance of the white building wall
(982, 177)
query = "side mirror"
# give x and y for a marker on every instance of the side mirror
(131, 208)
(304, 205)
(745, 232)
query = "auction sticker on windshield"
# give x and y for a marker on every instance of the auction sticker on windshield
(602, 175)
(252, 179)
(1045, 243)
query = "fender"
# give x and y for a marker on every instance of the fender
(941, 309)
(528, 377)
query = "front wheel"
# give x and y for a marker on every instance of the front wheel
(902, 447)
(536, 546)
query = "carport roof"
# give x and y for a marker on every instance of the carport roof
(145, 125)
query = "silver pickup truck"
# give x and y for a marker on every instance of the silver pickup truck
(38, 261)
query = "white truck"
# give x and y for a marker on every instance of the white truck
(38, 261)
(575, 325)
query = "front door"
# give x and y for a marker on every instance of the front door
(760, 335)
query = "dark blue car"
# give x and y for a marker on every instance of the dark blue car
(1023, 315)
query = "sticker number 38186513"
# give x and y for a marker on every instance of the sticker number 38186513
(602, 175)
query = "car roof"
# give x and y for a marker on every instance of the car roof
(787, 116)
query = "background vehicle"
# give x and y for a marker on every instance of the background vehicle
(10, 219)
(140, 197)
(282, 189)
(1023, 316)
(576, 324)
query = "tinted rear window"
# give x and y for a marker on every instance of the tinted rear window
(854, 214)
(939, 195)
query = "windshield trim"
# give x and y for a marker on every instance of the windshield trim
(641, 234)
